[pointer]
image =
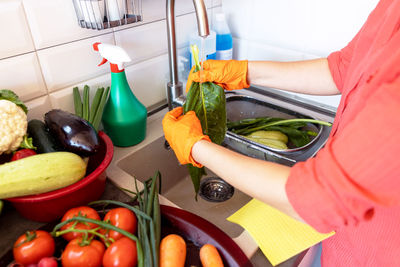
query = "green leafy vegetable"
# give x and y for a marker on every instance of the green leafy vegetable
(207, 100)
(11, 96)
(27, 142)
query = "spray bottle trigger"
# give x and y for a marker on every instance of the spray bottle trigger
(103, 61)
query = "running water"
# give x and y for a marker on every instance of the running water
(202, 59)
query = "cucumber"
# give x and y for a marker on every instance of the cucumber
(40, 173)
(42, 139)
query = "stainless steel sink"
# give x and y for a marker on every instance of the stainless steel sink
(244, 106)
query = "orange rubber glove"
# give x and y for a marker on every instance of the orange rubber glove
(229, 74)
(182, 132)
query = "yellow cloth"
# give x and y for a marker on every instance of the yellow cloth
(279, 236)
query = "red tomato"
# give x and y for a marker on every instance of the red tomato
(76, 254)
(48, 262)
(121, 218)
(121, 253)
(33, 246)
(83, 211)
(23, 153)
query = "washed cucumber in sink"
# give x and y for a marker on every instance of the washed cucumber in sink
(207, 100)
(292, 128)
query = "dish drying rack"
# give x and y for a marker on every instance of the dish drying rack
(103, 14)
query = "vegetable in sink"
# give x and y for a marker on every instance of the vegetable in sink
(292, 128)
(207, 100)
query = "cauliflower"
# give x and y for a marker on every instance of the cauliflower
(13, 126)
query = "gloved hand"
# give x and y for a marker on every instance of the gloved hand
(182, 132)
(229, 74)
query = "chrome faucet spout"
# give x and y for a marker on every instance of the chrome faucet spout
(174, 86)
(202, 19)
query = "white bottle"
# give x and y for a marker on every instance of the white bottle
(224, 38)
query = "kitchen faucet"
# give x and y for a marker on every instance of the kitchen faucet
(174, 86)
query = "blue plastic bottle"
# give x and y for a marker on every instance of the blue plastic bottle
(224, 38)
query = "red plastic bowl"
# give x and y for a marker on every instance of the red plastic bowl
(52, 205)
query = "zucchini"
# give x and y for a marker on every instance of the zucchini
(40, 173)
(275, 135)
(41, 137)
(277, 144)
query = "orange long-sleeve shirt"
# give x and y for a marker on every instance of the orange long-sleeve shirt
(352, 185)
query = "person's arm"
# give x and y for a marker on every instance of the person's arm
(259, 179)
(307, 77)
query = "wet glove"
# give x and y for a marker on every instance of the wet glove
(182, 132)
(229, 74)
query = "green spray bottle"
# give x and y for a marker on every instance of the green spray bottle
(124, 117)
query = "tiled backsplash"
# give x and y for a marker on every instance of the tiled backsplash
(44, 53)
(294, 29)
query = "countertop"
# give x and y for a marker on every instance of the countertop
(12, 225)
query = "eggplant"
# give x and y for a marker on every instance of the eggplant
(74, 133)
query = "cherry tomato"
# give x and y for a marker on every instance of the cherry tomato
(23, 153)
(121, 253)
(121, 218)
(33, 246)
(83, 211)
(77, 254)
(48, 262)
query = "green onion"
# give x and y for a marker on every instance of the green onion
(77, 102)
(95, 104)
(92, 113)
(85, 107)
(99, 113)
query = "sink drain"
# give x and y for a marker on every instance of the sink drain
(215, 189)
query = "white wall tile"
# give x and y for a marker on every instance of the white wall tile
(14, 30)
(327, 32)
(22, 75)
(63, 98)
(38, 107)
(71, 63)
(261, 51)
(310, 26)
(185, 26)
(240, 49)
(54, 22)
(239, 16)
(143, 42)
(153, 10)
(283, 23)
(216, 2)
(147, 80)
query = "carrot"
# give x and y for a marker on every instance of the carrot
(172, 251)
(210, 257)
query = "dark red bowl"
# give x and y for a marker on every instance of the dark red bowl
(52, 205)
